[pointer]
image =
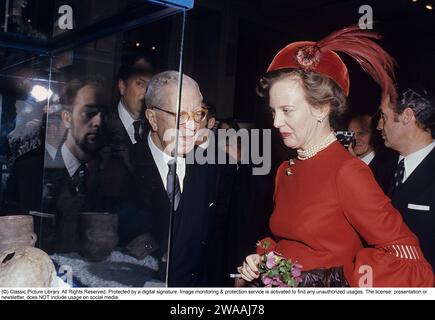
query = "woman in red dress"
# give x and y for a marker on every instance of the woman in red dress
(327, 201)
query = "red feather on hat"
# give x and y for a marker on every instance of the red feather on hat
(359, 45)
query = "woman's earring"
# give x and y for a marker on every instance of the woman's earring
(320, 120)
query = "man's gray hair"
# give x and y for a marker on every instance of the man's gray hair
(154, 97)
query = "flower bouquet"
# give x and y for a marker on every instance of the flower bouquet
(277, 271)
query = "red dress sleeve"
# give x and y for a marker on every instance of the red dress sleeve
(395, 259)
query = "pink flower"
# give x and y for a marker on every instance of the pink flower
(267, 281)
(275, 268)
(271, 260)
(296, 272)
(278, 282)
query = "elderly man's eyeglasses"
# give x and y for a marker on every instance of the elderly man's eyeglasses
(197, 116)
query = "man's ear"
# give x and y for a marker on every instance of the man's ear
(152, 119)
(211, 122)
(407, 116)
(122, 86)
(66, 118)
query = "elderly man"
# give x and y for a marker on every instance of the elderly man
(406, 128)
(165, 187)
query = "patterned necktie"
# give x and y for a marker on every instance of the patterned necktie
(398, 176)
(173, 185)
(137, 130)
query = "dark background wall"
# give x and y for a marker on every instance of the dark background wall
(231, 42)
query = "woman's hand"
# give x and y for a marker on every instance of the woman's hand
(249, 270)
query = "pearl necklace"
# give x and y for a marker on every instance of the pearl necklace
(312, 151)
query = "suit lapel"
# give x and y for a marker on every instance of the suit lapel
(118, 134)
(148, 174)
(187, 195)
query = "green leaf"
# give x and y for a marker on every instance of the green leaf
(273, 273)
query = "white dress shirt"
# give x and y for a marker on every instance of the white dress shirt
(52, 151)
(72, 164)
(368, 158)
(127, 121)
(414, 159)
(161, 159)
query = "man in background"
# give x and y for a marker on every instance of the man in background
(369, 149)
(407, 128)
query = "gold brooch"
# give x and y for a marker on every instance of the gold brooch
(288, 170)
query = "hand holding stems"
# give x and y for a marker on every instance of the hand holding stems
(249, 270)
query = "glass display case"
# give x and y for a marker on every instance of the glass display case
(64, 65)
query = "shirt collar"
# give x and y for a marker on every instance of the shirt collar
(72, 164)
(161, 159)
(414, 159)
(52, 151)
(127, 121)
(159, 155)
(368, 158)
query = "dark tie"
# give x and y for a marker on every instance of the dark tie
(80, 179)
(398, 176)
(137, 130)
(173, 185)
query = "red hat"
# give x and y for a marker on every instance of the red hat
(321, 57)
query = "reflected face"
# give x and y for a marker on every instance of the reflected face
(361, 127)
(211, 122)
(225, 126)
(133, 92)
(191, 102)
(86, 124)
(293, 115)
(390, 126)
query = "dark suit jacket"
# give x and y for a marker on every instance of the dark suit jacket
(116, 132)
(383, 166)
(118, 155)
(23, 190)
(251, 207)
(146, 209)
(244, 204)
(61, 198)
(48, 188)
(419, 189)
